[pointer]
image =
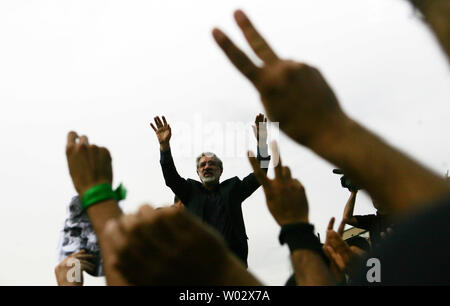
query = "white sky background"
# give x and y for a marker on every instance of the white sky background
(106, 68)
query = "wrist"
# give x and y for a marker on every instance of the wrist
(262, 142)
(102, 192)
(336, 136)
(164, 146)
(263, 155)
(300, 236)
(293, 221)
(263, 147)
(83, 189)
(233, 273)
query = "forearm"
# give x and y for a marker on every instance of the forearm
(99, 214)
(310, 269)
(165, 146)
(168, 168)
(235, 274)
(172, 179)
(391, 178)
(250, 182)
(263, 155)
(350, 206)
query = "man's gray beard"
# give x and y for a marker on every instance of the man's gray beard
(209, 180)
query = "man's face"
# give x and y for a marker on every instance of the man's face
(208, 170)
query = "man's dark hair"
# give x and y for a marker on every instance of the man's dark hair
(176, 199)
(209, 154)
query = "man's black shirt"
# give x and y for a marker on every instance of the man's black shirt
(221, 208)
(375, 224)
(216, 214)
(418, 250)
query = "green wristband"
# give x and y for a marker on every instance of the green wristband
(101, 193)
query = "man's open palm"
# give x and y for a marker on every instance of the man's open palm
(162, 130)
(293, 94)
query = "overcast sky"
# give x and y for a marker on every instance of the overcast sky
(106, 68)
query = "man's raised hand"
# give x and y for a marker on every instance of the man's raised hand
(260, 129)
(163, 132)
(89, 165)
(285, 196)
(294, 94)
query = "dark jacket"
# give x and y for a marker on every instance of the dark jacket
(416, 253)
(375, 224)
(233, 192)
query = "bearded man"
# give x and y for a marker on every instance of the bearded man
(216, 203)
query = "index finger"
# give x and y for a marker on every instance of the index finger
(276, 160)
(71, 138)
(84, 140)
(260, 175)
(256, 41)
(239, 59)
(340, 230)
(330, 224)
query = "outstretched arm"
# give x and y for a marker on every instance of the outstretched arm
(348, 211)
(90, 166)
(249, 184)
(297, 96)
(173, 180)
(260, 130)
